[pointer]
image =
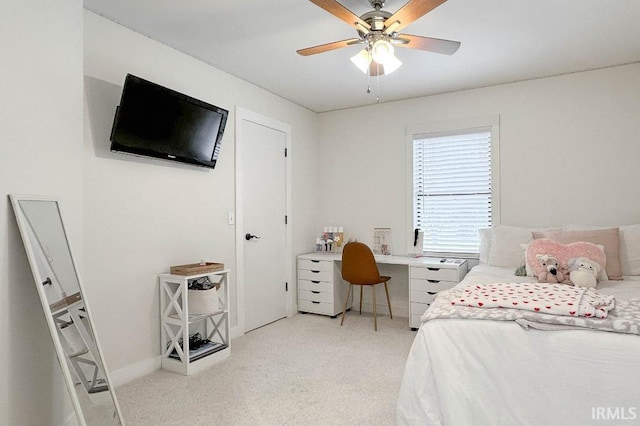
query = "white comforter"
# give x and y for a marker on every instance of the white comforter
(480, 372)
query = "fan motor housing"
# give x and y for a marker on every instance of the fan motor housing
(375, 19)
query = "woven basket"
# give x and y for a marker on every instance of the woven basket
(203, 302)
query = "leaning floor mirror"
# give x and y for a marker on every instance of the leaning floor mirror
(66, 310)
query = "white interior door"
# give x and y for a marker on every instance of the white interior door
(264, 208)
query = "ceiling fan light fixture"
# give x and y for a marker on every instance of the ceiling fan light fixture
(362, 60)
(392, 64)
(382, 51)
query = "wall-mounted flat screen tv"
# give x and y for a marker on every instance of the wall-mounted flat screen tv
(155, 121)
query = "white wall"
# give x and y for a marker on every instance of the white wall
(41, 121)
(143, 215)
(569, 153)
(129, 219)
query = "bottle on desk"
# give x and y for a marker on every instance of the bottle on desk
(339, 237)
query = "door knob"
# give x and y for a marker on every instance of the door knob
(249, 237)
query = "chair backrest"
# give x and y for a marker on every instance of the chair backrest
(358, 265)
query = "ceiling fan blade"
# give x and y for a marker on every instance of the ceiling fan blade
(329, 46)
(341, 12)
(436, 45)
(408, 13)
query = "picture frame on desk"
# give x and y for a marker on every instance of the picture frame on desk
(381, 241)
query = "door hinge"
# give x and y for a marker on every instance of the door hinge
(285, 152)
(286, 286)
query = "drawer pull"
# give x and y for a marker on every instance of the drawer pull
(433, 269)
(315, 261)
(432, 292)
(316, 282)
(315, 292)
(316, 303)
(316, 272)
(434, 281)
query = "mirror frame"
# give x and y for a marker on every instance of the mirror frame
(23, 226)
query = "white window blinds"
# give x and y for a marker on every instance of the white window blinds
(452, 190)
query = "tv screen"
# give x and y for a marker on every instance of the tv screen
(155, 121)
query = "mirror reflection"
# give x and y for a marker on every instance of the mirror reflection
(66, 310)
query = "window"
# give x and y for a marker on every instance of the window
(453, 191)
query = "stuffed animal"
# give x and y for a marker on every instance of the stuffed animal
(584, 272)
(552, 270)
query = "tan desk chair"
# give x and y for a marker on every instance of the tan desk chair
(359, 268)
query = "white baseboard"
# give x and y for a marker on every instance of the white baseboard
(135, 371)
(148, 366)
(236, 332)
(71, 420)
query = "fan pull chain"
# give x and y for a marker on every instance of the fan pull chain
(377, 81)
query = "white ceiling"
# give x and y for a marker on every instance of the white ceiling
(502, 41)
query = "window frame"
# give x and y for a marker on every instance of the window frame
(441, 128)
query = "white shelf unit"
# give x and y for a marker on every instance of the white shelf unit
(176, 323)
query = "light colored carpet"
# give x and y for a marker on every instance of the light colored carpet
(300, 370)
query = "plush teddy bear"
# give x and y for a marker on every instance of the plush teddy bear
(553, 271)
(584, 272)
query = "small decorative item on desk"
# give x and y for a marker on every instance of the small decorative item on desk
(338, 237)
(331, 241)
(418, 244)
(382, 241)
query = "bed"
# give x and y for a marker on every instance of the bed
(489, 372)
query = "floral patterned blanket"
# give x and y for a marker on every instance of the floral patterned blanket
(557, 299)
(538, 305)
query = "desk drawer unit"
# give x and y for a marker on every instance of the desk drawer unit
(320, 287)
(426, 281)
(312, 275)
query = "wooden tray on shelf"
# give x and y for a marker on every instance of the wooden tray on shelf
(67, 301)
(196, 268)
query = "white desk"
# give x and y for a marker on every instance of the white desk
(319, 278)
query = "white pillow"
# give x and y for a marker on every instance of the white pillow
(629, 245)
(506, 241)
(505, 245)
(485, 244)
(630, 249)
(528, 268)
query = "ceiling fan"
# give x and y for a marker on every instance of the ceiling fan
(378, 32)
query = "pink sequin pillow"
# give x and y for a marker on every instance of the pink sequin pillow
(563, 252)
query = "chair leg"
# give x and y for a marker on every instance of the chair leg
(386, 289)
(375, 319)
(346, 301)
(361, 288)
